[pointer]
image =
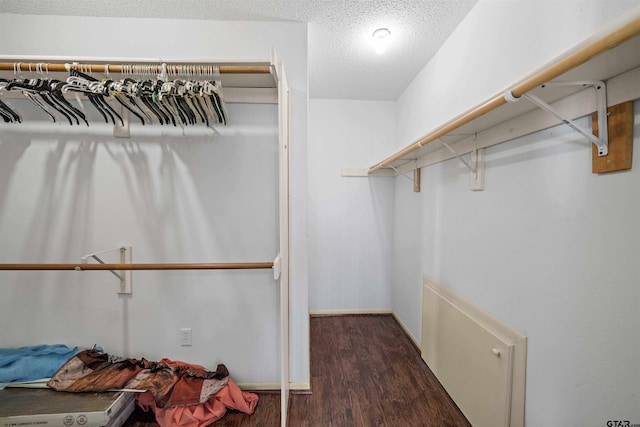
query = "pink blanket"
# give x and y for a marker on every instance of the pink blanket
(230, 396)
(203, 414)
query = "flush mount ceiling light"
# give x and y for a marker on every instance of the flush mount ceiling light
(381, 39)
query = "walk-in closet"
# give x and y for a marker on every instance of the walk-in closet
(309, 214)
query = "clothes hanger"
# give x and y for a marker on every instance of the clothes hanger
(8, 114)
(179, 95)
(193, 99)
(100, 96)
(170, 96)
(96, 92)
(128, 93)
(32, 87)
(129, 88)
(216, 103)
(144, 93)
(113, 90)
(154, 92)
(121, 91)
(55, 91)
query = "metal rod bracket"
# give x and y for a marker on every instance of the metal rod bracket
(601, 142)
(124, 276)
(459, 157)
(416, 176)
(277, 267)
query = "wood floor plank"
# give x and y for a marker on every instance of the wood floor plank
(366, 372)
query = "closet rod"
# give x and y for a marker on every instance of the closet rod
(178, 266)
(117, 68)
(622, 31)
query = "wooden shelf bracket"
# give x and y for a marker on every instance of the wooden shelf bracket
(476, 178)
(620, 134)
(601, 142)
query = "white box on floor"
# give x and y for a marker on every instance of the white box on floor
(21, 407)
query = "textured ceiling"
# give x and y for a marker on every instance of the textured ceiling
(342, 62)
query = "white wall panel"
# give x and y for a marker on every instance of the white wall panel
(349, 217)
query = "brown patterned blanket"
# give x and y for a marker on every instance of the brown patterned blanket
(171, 384)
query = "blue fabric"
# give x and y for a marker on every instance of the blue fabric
(33, 363)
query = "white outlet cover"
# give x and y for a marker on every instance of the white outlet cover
(185, 337)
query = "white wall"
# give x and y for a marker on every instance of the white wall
(548, 247)
(349, 218)
(174, 198)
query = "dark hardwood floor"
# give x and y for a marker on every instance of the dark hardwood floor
(365, 372)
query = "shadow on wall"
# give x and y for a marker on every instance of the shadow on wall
(234, 181)
(545, 144)
(65, 193)
(186, 196)
(217, 185)
(62, 207)
(11, 151)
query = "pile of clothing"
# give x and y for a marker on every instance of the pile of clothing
(179, 394)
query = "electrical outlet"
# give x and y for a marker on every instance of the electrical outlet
(185, 337)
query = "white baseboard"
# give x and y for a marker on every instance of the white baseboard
(294, 386)
(259, 386)
(301, 386)
(350, 311)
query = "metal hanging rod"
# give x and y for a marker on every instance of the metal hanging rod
(176, 266)
(120, 68)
